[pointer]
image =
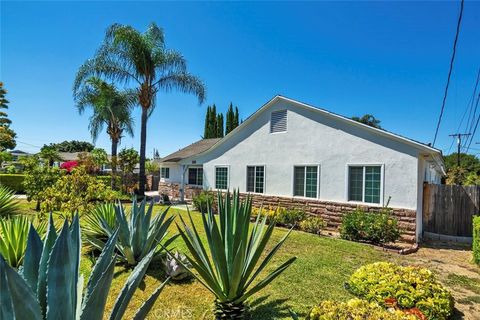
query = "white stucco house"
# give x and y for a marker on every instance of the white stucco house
(290, 153)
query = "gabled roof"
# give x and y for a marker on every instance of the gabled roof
(418, 145)
(191, 150)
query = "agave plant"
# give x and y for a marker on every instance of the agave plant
(97, 223)
(50, 285)
(138, 233)
(175, 269)
(229, 262)
(8, 203)
(13, 237)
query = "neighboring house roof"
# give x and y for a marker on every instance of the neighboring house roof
(19, 153)
(69, 156)
(191, 150)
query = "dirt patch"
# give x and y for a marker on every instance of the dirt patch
(452, 262)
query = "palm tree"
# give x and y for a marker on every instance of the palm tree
(129, 56)
(111, 108)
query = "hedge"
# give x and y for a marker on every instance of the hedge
(476, 239)
(13, 181)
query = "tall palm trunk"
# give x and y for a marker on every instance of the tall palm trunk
(143, 144)
(114, 163)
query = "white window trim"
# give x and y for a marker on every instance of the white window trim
(382, 183)
(188, 176)
(305, 181)
(255, 180)
(215, 176)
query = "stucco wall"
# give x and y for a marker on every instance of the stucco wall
(314, 139)
(175, 172)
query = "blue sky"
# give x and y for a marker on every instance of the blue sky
(389, 59)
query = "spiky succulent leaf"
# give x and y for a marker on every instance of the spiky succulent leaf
(17, 301)
(8, 204)
(33, 254)
(148, 304)
(235, 247)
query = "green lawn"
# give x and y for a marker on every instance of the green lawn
(323, 265)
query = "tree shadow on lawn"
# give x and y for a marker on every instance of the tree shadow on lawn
(260, 308)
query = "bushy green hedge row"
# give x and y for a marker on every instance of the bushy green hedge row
(13, 181)
(375, 227)
(476, 239)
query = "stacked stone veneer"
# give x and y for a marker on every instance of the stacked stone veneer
(331, 212)
(173, 190)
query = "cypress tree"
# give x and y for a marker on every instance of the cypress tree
(235, 121)
(229, 119)
(207, 122)
(213, 122)
(219, 126)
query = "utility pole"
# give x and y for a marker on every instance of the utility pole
(459, 143)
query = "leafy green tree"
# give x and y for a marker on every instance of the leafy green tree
(152, 167)
(369, 120)
(49, 154)
(7, 135)
(4, 157)
(129, 56)
(458, 174)
(73, 146)
(38, 177)
(128, 159)
(111, 109)
(99, 157)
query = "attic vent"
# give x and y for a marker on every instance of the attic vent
(278, 121)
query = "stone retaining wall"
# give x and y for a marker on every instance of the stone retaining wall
(331, 212)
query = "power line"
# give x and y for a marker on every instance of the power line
(449, 72)
(469, 108)
(476, 125)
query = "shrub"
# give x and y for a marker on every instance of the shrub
(8, 203)
(290, 217)
(202, 201)
(51, 286)
(267, 212)
(13, 181)
(76, 191)
(405, 287)
(476, 239)
(313, 225)
(377, 228)
(355, 309)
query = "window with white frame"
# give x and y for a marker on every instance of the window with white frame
(255, 179)
(365, 183)
(195, 176)
(221, 178)
(305, 181)
(165, 173)
(278, 121)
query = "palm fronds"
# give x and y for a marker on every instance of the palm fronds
(8, 203)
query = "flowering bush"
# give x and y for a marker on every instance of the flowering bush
(408, 288)
(313, 225)
(269, 212)
(374, 227)
(69, 165)
(76, 191)
(355, 309)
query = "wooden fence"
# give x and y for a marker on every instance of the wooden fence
(448, 209)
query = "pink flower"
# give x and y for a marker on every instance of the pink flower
(69, 165)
